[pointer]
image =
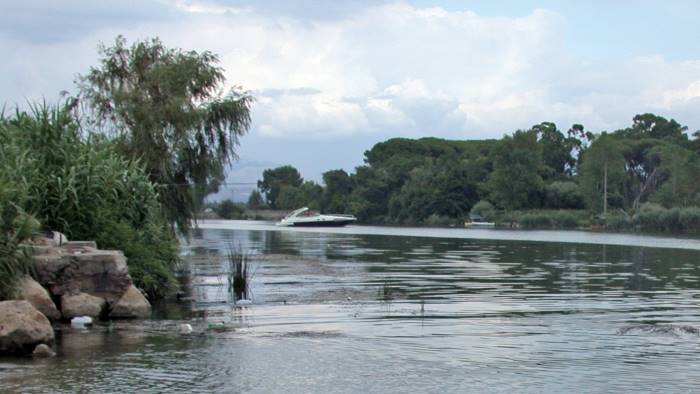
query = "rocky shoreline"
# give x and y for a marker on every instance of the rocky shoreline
(73, 279)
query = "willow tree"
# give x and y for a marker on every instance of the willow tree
(168, 109)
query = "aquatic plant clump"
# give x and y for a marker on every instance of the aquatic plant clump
(239, 273)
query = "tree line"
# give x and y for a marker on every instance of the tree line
(651, 165)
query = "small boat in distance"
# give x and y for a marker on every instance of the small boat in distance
(477, 221)
(308, 218)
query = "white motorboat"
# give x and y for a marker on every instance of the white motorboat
(309, 218)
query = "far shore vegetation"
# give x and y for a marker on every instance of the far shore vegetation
(640, 178)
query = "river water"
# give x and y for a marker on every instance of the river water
(381, 309)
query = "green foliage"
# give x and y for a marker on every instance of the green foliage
(83, 188)
(556, 150)
(16, 227)
(619, 221)
(484, 209)
(515, 181)
(255, 201)
(337, 190)
(274, 179)
(655, 218)
(166, 110)
(227, 209)
(563, 195)
(605, 156)
(239, 273)
(151, 253)
(549, 219)
(425, 180)
(308, 194)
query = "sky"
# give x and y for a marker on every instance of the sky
(332, 78)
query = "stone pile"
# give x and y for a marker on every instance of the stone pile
(74, 278)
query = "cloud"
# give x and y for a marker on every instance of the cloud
(363, 68)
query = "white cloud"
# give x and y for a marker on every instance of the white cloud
(390, 68)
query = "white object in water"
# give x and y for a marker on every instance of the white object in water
(185, 328)
(244, 302)
(81, 321)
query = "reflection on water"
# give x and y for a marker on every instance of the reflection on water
(350, 311)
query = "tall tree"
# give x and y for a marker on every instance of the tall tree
(274, 179)
(557, 150)
(167, 108)
(337, 191)
(603, 166)
(515, 181)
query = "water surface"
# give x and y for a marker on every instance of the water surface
(376, 309)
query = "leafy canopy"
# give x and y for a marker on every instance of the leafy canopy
(166, 108)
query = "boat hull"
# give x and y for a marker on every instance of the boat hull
(337, 223)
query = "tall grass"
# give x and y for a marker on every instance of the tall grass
(15, 228)
(78, 184)
(239, 273)
(549, 219)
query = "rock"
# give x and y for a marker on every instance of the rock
(22, 328)
(32, 291)
(80, 246)
(103, 273)
(81, 304)
(131, 304)
(43, 350)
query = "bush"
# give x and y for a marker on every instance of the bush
(536, 220)
(438, 221)
(619, 222)
(689, 219)
(549, 219)
(563, 219)
(15, 228)
(654, 217)
(563, 195)
(228, 209)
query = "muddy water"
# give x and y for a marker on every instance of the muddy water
(368, 309)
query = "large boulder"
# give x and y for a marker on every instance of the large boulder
(81, 304)
(32, 291)
(22, 328)
(132, 305)
(82, 268)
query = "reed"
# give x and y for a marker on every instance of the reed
(239, 273)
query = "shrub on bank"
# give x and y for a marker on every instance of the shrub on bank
(435, 220)
(228, 209)
(619, 222)
(15, 228)
(83, 188)
(548, 219)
